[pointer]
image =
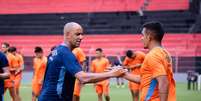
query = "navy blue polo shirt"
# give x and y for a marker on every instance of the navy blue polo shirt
(59, 78)
(3, 63)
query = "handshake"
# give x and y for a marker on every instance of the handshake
(116, 71)
(119, 71)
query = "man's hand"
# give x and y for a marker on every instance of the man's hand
(40, 81)
(12, 69)
(18, 71)
(84, 77)
(117, 71)
(5, 74)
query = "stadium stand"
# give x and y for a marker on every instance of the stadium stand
(187, 46)
(69, 6)
(27, 24)
(99, 23)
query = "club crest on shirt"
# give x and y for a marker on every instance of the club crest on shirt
(168, 59)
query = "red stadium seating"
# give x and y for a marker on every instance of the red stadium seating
(177, 44)
(69, 6)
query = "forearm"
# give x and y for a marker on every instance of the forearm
(163, 92)
(163, 86)
(135, 66)
(4, 75)
(94, 77)
(132, 78)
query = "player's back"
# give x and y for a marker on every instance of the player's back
(59, 77)
(157, 62)
(54, 66)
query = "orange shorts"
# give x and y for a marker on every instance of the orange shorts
(77, 88)
(18, 79)
(102, 88)
(9, 83)
(133, 86)
(36, 88)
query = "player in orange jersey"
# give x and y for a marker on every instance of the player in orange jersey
(17, 64)
(39, 66)
(133, 62)
(98, 65)
(80, 56)
(156, 78)
(9, 83)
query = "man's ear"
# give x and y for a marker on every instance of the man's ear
(150, 36)
(67, 35)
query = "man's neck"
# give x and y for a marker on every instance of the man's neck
(40, 57)
(154, 44)
(98, 58)
(68, 45)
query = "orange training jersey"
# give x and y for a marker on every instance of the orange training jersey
(137, 60)
(9, 82)
(79, 54)
(39, 66)
(157, 62)
(99, 66)
(13, 62)
(21, 60)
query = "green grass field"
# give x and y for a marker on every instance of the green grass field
(117, 94)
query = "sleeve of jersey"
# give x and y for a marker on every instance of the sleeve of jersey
(70, 63)
(125, 63)
(156, 66)
(3, 61)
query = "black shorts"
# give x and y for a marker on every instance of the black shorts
(1, 97)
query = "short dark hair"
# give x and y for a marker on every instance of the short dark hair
(99, 49)
(156, 28)
(38, 50)
(6, 44)
(129, 53)
(12, 49)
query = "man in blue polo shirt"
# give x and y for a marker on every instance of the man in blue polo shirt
(63, 68)
(4, 73)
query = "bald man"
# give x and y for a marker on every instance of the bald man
(63, 68)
